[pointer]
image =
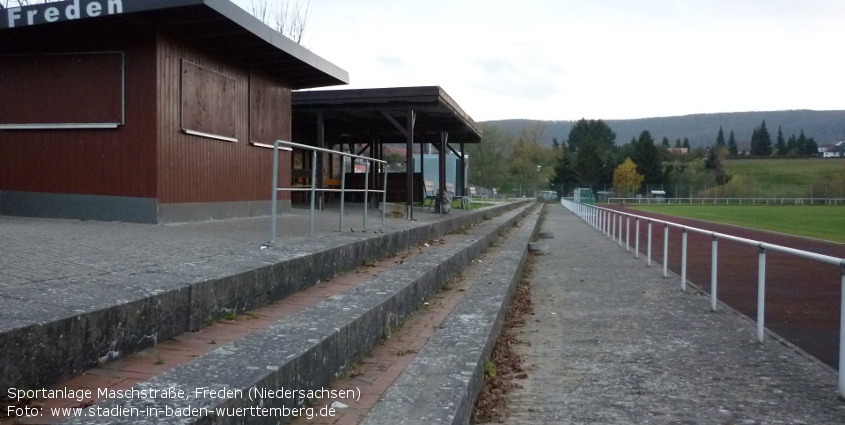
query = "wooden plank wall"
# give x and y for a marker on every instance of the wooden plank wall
(199, 169)
(115, 162)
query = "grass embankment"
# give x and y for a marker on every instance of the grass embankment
(820, 222)
(791, 178)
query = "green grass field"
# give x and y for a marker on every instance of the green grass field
(773, 178)
(820, 222)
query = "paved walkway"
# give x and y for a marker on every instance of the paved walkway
(612, 342)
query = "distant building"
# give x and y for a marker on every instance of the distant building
(682, 151)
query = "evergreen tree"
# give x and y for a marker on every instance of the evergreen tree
(597, 130)
(686, 143)
(732, 147)
(792, 145)
(647, 157)
(720, 139)
(678, 144)
(780, 147)
(588, 165)
(801, 144)
(761, 141)
(564, 178)
(665, 142)
(812, 147)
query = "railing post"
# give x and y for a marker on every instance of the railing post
(628, 234)
(761, 293)
(619, 234)
(384, 195)
(612, 226)
(842, 335)
(313, 187)
(684, 260)
(342, 188)
(366, 192)
(649, 243)
(665, 250)
(637, 238)
(275, 192)
(714, 281)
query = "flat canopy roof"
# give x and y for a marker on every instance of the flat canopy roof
(217, 26)
(361, 113)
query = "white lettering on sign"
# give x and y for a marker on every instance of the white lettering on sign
(93, 9)
(77, 9)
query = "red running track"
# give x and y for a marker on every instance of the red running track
(802, 296)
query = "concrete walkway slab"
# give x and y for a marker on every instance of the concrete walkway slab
(612, 342)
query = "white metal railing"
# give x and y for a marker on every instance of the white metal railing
(727, 201)
(610, 223)
(314, 189)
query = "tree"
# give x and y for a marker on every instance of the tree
(686, 143)
(780, 146)
(531, 163)
(647, 157)
(564, 178)
(596, 130)
(720, 139)
(588, 164)
(713, 163)
(488, 158)
(290, 20)
(678, 143)
(626, 180)
(665, 142)
(732, 147)
(761, 141)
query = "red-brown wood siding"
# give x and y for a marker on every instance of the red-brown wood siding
(199, 169)
(115, 162)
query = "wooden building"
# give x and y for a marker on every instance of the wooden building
(145, 110)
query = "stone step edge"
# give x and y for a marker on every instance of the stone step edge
(310, 349)
(40, 354)
(443, 381)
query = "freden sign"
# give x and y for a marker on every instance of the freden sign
(60, 11)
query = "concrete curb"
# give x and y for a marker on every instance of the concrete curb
(442, 382)
(310, 349)
(110, 319)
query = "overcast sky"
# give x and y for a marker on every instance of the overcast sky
(609, 59)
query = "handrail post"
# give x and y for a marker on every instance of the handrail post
(665, 250)
(649, 244)
(342, 188)
(275, 192)
(384, 194)
(613, 227)
(366, 192)
(313, 187)
(842, 336)
(637, 238)
(619, 233)
(714, 281)
(628, 234)
(684, 260)
(761, 293)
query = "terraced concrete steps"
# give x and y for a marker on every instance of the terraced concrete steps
(307, 350)
(60, 330)
(442, 382)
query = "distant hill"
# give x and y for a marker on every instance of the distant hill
(701, 129)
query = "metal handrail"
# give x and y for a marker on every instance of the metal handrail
(314, 189)
(725, 200)
(605, 220)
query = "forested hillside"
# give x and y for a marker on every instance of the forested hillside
(701, 129)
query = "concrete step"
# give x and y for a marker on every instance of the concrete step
(102, 319)
(306, 350)
(440, 385)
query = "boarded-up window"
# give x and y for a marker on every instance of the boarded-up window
(269, 110)
(208, 102)
(63, 90)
